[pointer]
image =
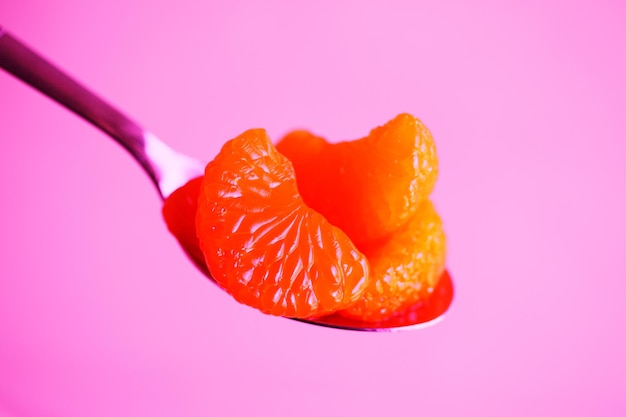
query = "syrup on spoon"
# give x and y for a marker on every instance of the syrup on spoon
(169, 170)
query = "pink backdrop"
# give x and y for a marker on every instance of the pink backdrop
(102, 315)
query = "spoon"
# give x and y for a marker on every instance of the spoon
(169, 170)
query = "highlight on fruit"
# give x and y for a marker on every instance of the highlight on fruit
(310, 227)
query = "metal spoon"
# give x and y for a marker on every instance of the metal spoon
(169, 169)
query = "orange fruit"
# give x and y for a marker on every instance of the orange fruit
(404, 269)
(263, 244)
(376, 190)
(179, 211)
(367, 187)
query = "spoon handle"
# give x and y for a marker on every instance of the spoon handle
(25, 64)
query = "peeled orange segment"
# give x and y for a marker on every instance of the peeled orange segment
(367, 187)
(179, 211)
(419, 314)
(263, 244)
(405, 269)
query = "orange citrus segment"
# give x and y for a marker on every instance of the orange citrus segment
(404, 269)
(179, 212)
(269, 248)
(368, 187)
(263, 244)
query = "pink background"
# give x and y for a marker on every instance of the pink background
(101, 314)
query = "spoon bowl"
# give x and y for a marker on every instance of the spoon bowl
(168, 169)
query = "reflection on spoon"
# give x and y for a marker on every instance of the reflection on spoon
(169, 169)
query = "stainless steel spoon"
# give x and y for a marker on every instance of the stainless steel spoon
(169, 169)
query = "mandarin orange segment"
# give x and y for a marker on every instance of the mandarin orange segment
(367, 187)
(263, 244)
(179, 211)
(405, 269)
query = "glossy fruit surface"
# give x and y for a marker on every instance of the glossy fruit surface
(367, 187)
(179, 211)
(376, 189)
(422, 313)
(263, 244)
(405, 268)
